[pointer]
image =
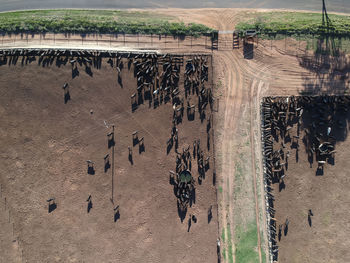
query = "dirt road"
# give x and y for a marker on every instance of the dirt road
(334, 5)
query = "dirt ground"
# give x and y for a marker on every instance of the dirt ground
(240, 84)
(45, 145)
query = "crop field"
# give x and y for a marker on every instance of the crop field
(95, 21)
(306, 163)
(119, 192)
(294, 23)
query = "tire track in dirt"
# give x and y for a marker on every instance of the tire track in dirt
(257, 82)
(229, 70)
(226, 218)
(252, 148)
(256, 73)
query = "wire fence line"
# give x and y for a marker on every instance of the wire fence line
(139, 41)
(10, 221)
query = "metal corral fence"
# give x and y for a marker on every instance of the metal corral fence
(265, 113)
(222, 40)
(140, 41)
(305, 45)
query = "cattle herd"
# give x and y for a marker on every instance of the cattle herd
(317, 122)
(158, 81)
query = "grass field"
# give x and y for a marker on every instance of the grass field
(95, 21)
(246, 245)
(295, 23)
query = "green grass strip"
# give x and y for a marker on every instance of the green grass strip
(246, 247)
(229, 239)
(96, 21)
(296, 23)
(223, 237)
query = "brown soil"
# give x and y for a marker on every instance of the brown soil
(45, 145)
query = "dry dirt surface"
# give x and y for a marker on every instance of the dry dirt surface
(47, 137)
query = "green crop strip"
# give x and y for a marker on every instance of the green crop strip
(246, 248)
(296, 23)
(96, 21)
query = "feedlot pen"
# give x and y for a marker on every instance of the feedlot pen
(115, 197)
(306, 171)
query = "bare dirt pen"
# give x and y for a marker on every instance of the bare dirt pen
(306, 159)
(47, 136)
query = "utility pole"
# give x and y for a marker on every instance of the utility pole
(325, 17)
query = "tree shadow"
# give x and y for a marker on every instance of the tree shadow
(328, 68)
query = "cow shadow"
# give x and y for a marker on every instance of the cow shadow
(89, 206)
(91, 170)
(52, 207)
(116, 216)
(66, 97)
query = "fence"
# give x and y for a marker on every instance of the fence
(10, 223)
(307, 45)
(139, 41)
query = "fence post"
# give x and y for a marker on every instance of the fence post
(285, 43)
